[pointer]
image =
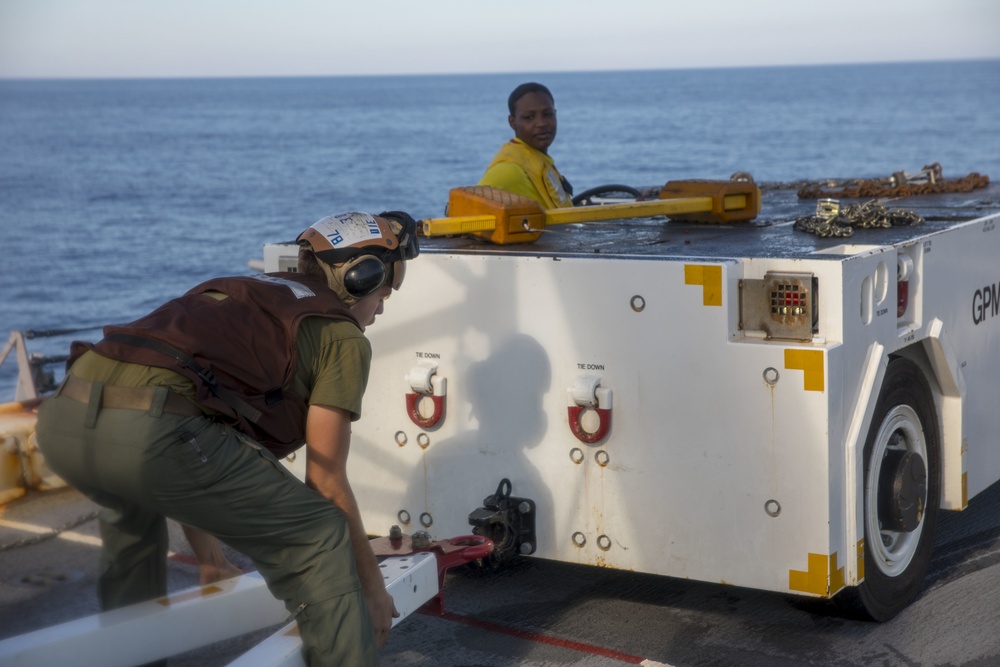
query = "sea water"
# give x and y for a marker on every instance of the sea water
(116, 195)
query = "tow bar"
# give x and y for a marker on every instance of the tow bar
(203, 615)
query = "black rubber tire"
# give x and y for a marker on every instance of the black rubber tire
(896, 561)
(585, 197)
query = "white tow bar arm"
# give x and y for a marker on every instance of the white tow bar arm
(201, 616)
(151, 630)
(198, 617)
(411, 581)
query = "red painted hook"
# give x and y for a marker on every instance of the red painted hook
(472, 547)
(424, 422)
(452, 552)
(575, 411)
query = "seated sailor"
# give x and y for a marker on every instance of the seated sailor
(523, 165)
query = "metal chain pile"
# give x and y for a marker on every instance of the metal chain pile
(868, 215)
(928, 181)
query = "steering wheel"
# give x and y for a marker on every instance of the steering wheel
(586, 198)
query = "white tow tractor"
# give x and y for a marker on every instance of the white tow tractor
(712, 397)
(738, 401)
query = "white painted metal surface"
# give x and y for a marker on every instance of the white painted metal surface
(731, 457)
(151, 630)
(198, 617)
(411, 581)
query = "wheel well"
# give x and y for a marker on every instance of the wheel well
(901, 465)
(948, 407)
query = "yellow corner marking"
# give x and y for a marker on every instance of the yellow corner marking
(861, 559)
(965, 490)
(823, 577)
(811, 363)
(204, 591)
(293, 631)
(710, 278)
(836, 575)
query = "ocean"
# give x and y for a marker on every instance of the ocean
(116, 195)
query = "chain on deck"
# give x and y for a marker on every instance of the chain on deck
(868, 215)
(930, 180)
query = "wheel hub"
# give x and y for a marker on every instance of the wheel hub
(902, 490)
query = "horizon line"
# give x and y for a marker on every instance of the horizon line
(182, 77)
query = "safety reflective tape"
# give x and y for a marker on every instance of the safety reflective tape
(710, 278)
(811, 363)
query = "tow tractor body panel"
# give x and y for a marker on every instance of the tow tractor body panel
(676, 398)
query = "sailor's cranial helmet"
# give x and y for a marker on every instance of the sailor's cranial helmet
(360, 252)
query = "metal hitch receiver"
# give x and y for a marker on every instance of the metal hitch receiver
(449, 553)
(509, 522)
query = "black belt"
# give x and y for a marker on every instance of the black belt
(129, 398)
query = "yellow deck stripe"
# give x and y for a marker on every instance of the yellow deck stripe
(69, 535)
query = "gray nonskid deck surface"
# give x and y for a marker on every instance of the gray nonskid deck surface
(537, 613)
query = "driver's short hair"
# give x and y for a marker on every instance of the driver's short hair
(523, 90)
(309, 265)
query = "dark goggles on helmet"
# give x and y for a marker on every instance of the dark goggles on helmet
(408, 246)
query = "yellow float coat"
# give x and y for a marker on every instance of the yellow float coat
(519, 168)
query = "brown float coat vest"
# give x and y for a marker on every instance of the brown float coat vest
(241, 352)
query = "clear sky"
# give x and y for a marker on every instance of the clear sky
(197, 38)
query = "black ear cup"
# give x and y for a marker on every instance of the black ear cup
(364, 275)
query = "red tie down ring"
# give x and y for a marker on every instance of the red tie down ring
(424, 422)
(575, 411)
